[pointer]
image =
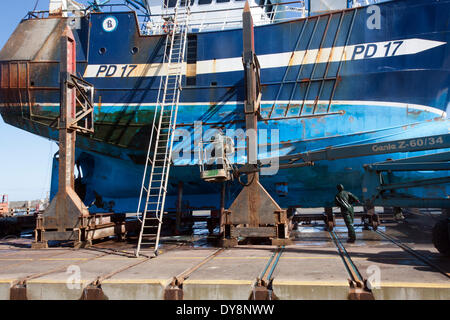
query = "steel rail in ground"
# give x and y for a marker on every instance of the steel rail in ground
(358, 285)
(174, 291)
(348, 262)
(18, 289)
(179, 279)
(262, 290)
(266, 274)
(94, 291)
(413, 252)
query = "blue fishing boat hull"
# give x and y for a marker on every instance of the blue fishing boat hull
(328, 80)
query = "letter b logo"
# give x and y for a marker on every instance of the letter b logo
(110, 24)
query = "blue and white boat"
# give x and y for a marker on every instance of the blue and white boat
(349, 73)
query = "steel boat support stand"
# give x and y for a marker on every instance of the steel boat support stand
(67, 218)
(253, 214)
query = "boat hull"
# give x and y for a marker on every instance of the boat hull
(327, 81)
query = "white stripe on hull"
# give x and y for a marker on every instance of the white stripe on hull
(365, 51)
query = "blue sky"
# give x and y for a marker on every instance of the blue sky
(25, 159)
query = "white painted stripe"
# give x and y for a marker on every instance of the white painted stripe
(130, 70)
(364, 51)
(365, 103)
(268, 103)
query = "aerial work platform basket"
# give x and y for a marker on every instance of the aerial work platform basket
(214, 162)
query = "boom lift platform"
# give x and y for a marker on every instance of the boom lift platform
(254, 214)
(379, 187)
(216, 167)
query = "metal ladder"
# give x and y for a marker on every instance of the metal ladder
(154, 185)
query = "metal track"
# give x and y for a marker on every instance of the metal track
(179, 279)
(412, 252)
(18, 289)
(349, 264)
(266, 276)
(174, 290)
(94, 291)
(263, 287)
(358, 287)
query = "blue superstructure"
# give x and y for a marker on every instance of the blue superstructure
(338, 78)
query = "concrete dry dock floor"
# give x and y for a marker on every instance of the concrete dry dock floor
(395, 273)
(59, 285)
(229, 276)
(31, 263)
(149, 279)
(311, 271)
(310, 268)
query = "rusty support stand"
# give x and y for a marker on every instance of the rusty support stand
(260, 293)
(358, 291)
(67, 218)
(253, 214)
(223, 193)
(173, 293)
(92, 292)
(179, 212)
(18, 292)
(329, 219)
(370, 218)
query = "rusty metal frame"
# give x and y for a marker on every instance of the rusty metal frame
(67, 218)
(253, 213)
(355, 11)
(315, 63)
(84, 98)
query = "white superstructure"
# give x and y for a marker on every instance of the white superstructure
(62, 7)
(209, 15)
